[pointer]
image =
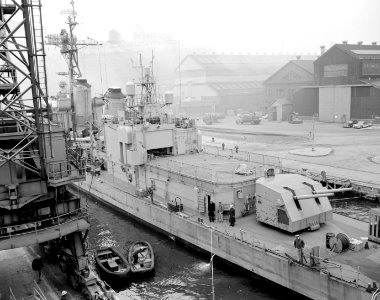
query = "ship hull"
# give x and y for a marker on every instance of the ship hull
(256, 260)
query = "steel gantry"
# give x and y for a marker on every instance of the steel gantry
(23, 90)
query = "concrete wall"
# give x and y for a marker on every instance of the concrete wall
(334, 103)
(278, 269)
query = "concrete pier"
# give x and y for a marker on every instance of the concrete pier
(257, 254)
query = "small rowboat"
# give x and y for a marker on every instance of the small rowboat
(141, 258)
(111, 265)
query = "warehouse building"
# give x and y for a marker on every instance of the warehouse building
(219, 82)
(287, 84)
(348, 79)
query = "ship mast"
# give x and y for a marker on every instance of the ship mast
(68, 44)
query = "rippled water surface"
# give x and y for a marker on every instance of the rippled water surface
(181, 273)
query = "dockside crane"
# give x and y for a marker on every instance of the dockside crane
(36, 164)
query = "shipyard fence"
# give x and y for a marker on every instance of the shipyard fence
(184, 169)
(260, 160)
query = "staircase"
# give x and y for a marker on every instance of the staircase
(37, 294)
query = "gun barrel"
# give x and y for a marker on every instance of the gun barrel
(332, 190)
(303, 197)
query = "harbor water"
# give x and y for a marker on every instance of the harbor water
(181, 273)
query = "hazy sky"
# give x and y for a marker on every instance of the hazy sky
(271, 26)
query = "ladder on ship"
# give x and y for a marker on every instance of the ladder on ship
(39, 45)
(37, 294)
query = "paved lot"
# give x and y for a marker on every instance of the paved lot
(355, 151)
(16, 273)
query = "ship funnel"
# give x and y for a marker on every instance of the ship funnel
(130, 89)
(169, 97)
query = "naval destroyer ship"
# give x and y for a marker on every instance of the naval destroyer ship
(158, 172)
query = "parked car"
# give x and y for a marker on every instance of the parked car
(248, 118)
(350, 124)
(362, 124)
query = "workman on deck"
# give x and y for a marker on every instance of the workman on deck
(232, 215)
(211, 211)
(220, 212)
(299, 244)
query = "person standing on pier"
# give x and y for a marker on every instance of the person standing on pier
(37, 265)
(220, 212)
(232, 215)
(211, 211)
(299, 244)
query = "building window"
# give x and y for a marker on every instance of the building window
(335, 70)
(361, 91)
(371, 68)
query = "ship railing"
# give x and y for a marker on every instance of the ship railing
(260, 160)
(63, 170)
(345, 273)
(11, 295)
(12, 231)
(183, 170)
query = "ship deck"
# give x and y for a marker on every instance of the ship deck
(360, 267)
(208, 167)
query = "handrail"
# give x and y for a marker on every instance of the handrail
(37, 292)
(80, 213)
(11, 295)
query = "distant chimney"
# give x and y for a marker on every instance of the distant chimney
(323, 49)
(345, 42)
(374, 43)
(298, 57)
(360, 43)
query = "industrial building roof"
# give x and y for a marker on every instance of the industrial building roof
(359, 51)
(241, 62)
(374, 82)
(281, 101)
(305, 64)
(228, 88)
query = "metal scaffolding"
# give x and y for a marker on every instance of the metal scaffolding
(23, 91)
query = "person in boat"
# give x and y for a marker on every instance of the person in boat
(211, 211)
(136, 254)
(299, 244)
(220, 212)
(232, 215)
